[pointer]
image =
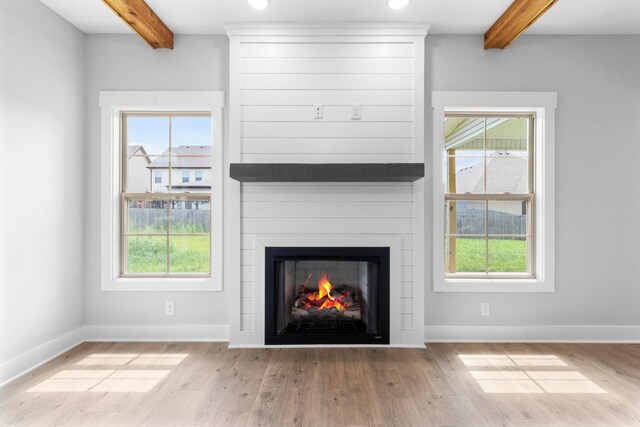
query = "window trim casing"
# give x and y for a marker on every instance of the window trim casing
(542, 105)
(112, 104)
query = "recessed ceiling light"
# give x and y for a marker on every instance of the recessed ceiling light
(398, 4)
(259, 4)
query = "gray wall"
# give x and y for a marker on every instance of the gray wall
(597, 173)
(41, 175)
(123, 62)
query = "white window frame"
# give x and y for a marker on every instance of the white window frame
(112, 104)
(542, 105)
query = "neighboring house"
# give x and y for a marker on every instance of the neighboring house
(137, 172)
(190, 170)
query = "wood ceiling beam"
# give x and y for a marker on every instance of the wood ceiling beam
(143, 20)
(514, 21)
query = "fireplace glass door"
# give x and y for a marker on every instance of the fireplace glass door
(327, 295)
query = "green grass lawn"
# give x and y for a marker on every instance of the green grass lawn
(505, 255)
(187, 254)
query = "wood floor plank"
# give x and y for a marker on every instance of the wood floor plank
(207, 384)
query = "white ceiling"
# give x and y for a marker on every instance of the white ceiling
(445, 16)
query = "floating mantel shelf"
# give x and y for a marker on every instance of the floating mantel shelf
(327, 172)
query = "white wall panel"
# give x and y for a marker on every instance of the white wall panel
(327, 158)
(406, 305)
(326, 81)
(247, 289)
(314, 145)
(246, 322)
(327, 50)
(326, 97)
(325, 129)
(326, 225)
(246, 305)
(278, 83)
(330, 210)
(406, 289)
(330, 113)
(326, 65)
(406, 322)
(247, 241)
(326, 192)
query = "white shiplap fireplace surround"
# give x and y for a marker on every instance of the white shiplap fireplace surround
(277, 74)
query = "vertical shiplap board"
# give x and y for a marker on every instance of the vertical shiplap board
(277, 76)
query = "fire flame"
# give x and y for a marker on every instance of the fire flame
(324, 290)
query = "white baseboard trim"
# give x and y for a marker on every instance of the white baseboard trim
(533, 334)
(130, 333)
(30, 360)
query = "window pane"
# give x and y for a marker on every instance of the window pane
(465, 255)
(147, 135)
(507, 174)
(160, 177)
(147, 216)
(186, 216)
(508, 217)
(507, 135)
(468, 174)
(189, 254)
(507, 255)
(147, 254)
(192, 131)
(464, 134)
(469, 214)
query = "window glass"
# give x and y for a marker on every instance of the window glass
(166, 215)
(488, 194)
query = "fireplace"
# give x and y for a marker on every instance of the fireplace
(326, 295)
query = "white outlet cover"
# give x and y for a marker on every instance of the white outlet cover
(317, 111)
(169, 308)
(485, 309)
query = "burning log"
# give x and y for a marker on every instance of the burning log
(326, 302)
(302, 314)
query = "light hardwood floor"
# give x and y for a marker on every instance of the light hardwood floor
(159, 384)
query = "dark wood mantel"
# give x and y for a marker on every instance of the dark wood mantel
(327, 172)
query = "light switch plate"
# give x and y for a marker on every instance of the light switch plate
(356, 111)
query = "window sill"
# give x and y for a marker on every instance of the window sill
(165, 284)
(492, 285)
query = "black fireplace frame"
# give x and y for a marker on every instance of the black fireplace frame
(380, 255)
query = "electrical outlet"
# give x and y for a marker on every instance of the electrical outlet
(169, 308)
(356, 112)
(485, 309)
(317, 111)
